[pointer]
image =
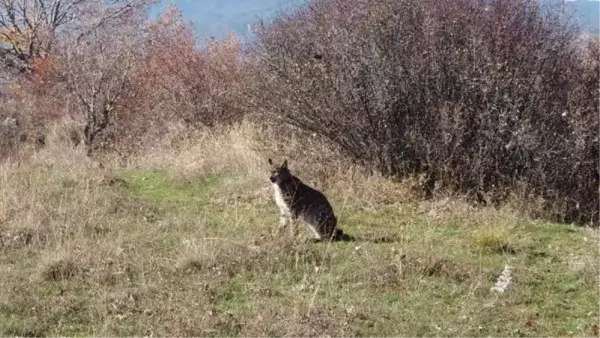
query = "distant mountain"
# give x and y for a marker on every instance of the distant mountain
(219, 17)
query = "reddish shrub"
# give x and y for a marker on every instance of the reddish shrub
(182, 83)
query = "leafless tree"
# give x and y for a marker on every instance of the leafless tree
(29, 28)
(95, 64)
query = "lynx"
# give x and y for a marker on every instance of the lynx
(298, 201)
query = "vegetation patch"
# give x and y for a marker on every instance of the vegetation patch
(493, 240)
(180, 261)
(135, 197)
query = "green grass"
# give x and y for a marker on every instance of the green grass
(203, 258)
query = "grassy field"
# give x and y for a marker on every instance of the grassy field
(184, 242)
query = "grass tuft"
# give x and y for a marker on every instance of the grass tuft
(495, 240)
(59, 269)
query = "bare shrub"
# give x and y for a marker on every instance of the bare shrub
(29, 30)
(180, 82)
(96, 65)
(478, 95)
(123, 76)
(29, 106)
(69, 58)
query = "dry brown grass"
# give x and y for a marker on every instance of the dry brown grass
(245, 148)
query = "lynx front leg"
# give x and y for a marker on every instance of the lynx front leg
(284, 221)
(313, 230)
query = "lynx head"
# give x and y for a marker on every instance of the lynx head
(279, 173)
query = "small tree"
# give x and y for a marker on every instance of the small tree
(95, 63)
(29, 29)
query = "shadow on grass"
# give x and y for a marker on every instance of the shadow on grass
(341, 236)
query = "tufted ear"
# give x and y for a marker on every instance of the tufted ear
(285, 164)
(270, 161)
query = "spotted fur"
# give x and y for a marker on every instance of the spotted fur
(298, 201)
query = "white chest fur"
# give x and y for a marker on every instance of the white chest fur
(283, 207)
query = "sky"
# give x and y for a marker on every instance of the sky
(218, 17)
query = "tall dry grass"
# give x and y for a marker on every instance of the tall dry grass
(244, 148)
(58, 193)
(82, 227)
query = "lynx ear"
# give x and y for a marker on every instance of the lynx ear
(285, 164)
(270, 161)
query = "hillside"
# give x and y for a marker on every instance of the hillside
(217, 18)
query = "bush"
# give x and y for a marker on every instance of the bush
(482, 96)
(127, 81)
(181, 84)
